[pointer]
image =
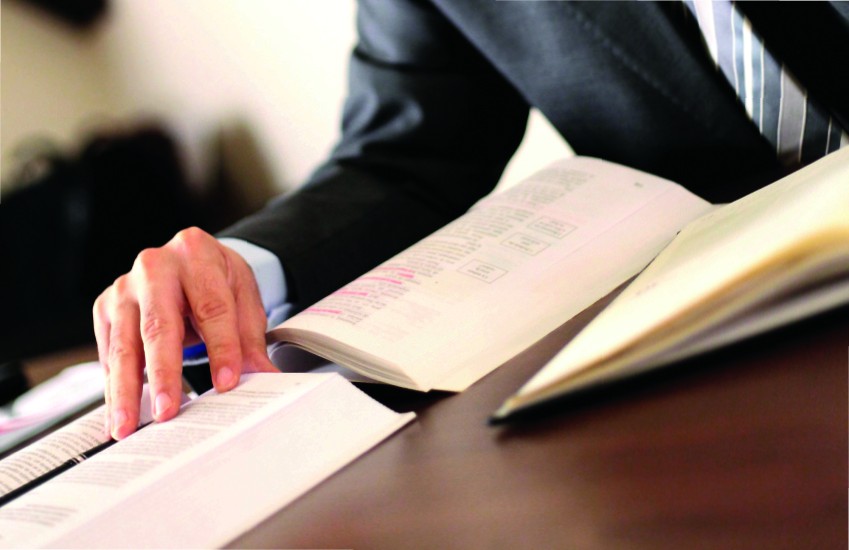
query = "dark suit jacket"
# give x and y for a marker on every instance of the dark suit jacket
(439, 98)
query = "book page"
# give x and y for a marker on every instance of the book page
(65, 443)
(70, 392)
(462, 301)
(51, 451)
(220, 449)
(792, 233)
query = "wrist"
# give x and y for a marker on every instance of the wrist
(266, 270)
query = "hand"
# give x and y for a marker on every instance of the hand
(191, 289)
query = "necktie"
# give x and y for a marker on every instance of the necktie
(798, 127)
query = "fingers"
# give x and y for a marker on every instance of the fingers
(102, 327)
(252, 321)
(208, 285)
(125, 363)
(161, 327)
(120, 352)
(191, 287)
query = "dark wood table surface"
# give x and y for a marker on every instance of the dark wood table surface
(744, 448)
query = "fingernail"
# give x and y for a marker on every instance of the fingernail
(161, 404)
(225, 377)
(119, 418)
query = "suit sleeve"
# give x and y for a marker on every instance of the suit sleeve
(428, 127)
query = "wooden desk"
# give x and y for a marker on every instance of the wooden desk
(746, 448)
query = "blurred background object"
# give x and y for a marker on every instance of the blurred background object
(199, 66)
(75, 224)
(12, 382)
(81, 13)
(223, 103)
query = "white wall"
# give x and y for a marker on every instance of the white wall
(276, 67)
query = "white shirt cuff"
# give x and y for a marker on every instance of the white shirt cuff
(269, 277)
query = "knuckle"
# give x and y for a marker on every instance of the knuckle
(154, 327)
(148, 260)
(210, 309)
(119, 353)
(121, 286)
(190, 238)
(98, 309)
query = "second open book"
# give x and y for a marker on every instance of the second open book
(459, 303)
(775, 256)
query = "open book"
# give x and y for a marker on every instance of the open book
(774, 256)
(72, 391)
(260, 446)
(464, 300)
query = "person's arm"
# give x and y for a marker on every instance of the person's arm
(428, 127)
